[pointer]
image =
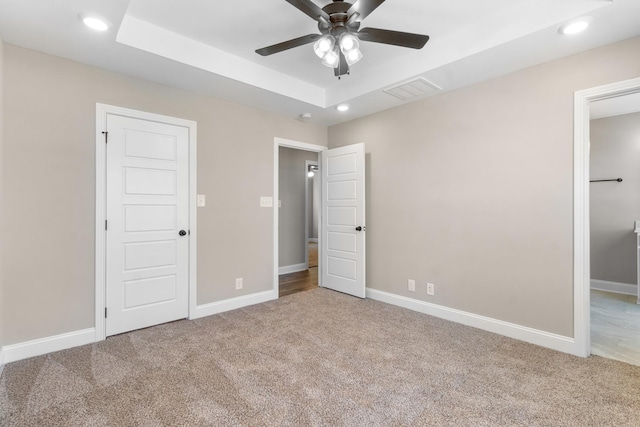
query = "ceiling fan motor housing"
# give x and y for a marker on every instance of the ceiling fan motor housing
(338, 16)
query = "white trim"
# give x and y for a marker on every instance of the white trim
(24, 350)
(286, 269)
(1, 360)
(581, 237)
(101, 214)
(233, 303)
(615, 287)
(511, 330)
(312, 240)
(100, 237)
(277, 143)
(193, 217)
(306, 209)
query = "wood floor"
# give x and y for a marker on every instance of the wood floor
(301, 280)
(615, 326)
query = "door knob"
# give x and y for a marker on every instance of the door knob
(182, 233)
(358, 228)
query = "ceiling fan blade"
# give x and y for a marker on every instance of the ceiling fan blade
(364, 7)
(310, 8)
(270, 50)
(342, 68)
(397, 38)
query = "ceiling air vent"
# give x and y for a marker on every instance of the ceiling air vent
(413, 89)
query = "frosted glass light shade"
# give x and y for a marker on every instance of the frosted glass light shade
(324, 45)
(353, 56)
(332, 58)
(348, 42)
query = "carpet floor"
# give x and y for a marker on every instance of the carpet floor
(317, 358)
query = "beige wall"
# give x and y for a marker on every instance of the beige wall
(49, 191)
(615, 153)
(472, 190)
(291, 217)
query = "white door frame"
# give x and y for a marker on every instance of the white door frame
(581, 232)
(277, 143)
(101, 183)
(307, 212)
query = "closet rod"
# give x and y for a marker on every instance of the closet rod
(605, 180)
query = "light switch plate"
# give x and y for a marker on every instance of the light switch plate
(266, 202)
(200, 201)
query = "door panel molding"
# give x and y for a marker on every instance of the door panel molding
(102, 110)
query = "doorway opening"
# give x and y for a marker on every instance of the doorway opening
(614, 136)
(583, 102)
(297, 216)
(298, 220)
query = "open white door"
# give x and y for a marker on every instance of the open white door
(343, 220)
(147, 251)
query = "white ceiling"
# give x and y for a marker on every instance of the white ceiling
(208, 46)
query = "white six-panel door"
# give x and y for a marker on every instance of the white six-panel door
(343, 220)
(147, 258)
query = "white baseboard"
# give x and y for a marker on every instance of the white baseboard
(511, 330)
(286, 269)
(24, 350)
(312, 240)
(615, 287)
(38, 347)
(233, 303)
(1, 360)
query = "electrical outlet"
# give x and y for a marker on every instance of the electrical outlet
(431, 289)
(239, 283)
(411, 284)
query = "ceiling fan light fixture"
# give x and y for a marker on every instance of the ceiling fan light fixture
(332, 58)
(324, 45)
(338, 44)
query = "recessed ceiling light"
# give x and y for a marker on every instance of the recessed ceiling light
(574, 27)
(342, 107)
(94, 22)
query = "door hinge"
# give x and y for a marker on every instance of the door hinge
(105, 224)
(105, 312)
(106, 137)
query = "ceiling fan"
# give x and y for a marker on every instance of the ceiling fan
(339, 24)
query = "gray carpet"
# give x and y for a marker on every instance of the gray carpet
(317, 358)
